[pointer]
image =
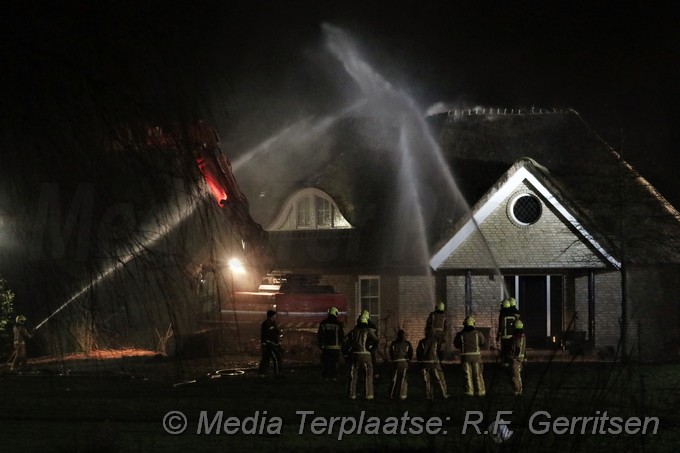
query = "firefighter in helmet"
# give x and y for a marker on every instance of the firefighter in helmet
(401, 354)
(374, 352)
(428, 357)
(270, 336)
(21, 336)
(367, 315)
(330, 337)
(518, 350)
(513, 310)
(506, 321)
(471, 341)
(361, 340)
(437, 320)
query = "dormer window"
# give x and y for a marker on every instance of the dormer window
(309, 209)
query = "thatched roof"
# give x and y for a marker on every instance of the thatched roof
(615, 204)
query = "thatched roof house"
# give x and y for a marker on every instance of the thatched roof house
(579, 237)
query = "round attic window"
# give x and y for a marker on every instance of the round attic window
(526, 209)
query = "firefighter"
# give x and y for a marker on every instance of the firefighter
(270, 336)
(401, 354)
(374, 351)
(428, 357)
(437, 320)
(366, 314)
(513, 308)
(330, 337)
(471, 341)
(371, 325)
(518, 353)
(362, 340)
(21, 336)
(506, 320)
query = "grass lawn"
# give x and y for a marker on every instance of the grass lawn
(123, 409)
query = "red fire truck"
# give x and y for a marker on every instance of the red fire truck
(299, 300)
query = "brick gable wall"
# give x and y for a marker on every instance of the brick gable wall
(548, 243)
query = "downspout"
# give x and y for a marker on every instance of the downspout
(591, 308)
(624, 312)
(468, 293)
(440, 293)
(624, 278)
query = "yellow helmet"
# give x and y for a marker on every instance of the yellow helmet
(333, 311)
(363, 320)
(519, 325)
(469, 321)
(512, 301)
(365, 313)
(21, 319)
(505, 303)
(440, 306)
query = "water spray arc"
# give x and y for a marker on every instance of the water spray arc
(391, 107)
(411, 196)
(379, 99)
(199, 141)
(77, 295)
(142, 246)
(304, 131)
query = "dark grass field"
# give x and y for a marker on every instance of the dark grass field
(121, 406)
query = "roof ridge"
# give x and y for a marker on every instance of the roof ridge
(501, 111)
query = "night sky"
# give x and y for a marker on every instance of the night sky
(255, 67)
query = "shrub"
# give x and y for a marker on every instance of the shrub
(6, 308)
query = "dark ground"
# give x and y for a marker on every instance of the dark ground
(119, 404)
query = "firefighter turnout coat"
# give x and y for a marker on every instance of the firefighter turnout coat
(330, 337)
(470, 341)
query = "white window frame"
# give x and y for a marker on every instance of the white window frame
(373, 306)
(323, 205)
(304, 213)
(288, 218)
